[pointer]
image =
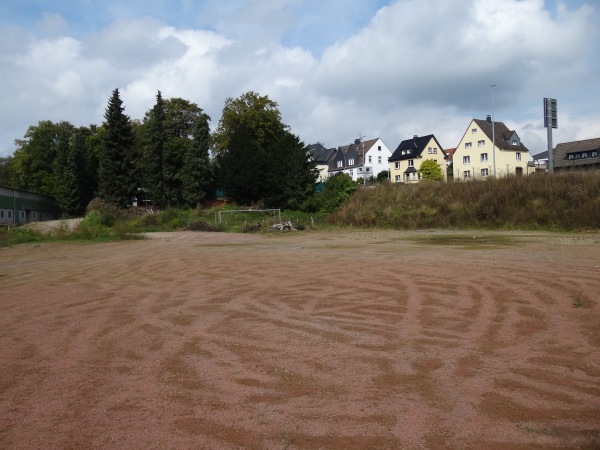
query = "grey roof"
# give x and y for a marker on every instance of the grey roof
(542, 155)
(319, 153)
(562, 152)
(502, 135)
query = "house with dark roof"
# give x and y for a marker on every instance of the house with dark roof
(477, 158)
(577, 156)
(321, 155)
(406, 160)
(361, 159)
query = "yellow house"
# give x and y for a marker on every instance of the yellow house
(477, 158)
(406, 160)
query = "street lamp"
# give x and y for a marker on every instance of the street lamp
(493, 129)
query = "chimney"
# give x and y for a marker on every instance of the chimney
(488, 119)
(415, 136)
(356, 141)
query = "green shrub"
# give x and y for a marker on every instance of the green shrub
(92, 228)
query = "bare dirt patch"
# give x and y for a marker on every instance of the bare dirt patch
(302, 340)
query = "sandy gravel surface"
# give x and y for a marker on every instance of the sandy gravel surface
(356, 340)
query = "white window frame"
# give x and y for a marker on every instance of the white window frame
(411, 163)
(466, 159)
(397, 165)
(473, 130)
(485, 173)
(369, 158)
(484, 157)
(398, 178)
(351, 162)
(340, 164)
(467, 175)
(518, 155)
(379, 160)
(481, 143)
(468, 145)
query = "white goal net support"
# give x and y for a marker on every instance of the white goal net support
(251, 213)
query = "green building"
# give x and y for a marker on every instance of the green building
(18, 207)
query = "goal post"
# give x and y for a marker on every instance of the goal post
(276, 212)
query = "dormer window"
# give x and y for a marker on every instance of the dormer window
(340, 164)
(404, 152)
(514, 142)
(351, 162)
(408, 152)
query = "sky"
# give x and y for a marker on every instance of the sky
(338, 69)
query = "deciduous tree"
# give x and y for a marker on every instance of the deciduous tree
(431, 171)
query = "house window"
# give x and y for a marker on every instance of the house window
(473, 130)
(414, 176)
(351, 162)
(379, 148)
(484, 173)
(484, 157)
(408, 152)
(404, 152)
(468, 144)
(466, 160)
(360, 170)
(398, 179)
(397, 166)
(406, 178)
(340, 163)
(369, 158)
(411, 163)
(435, 150)
(10, 214)
(467, 174)
(514, 142)
(429, 150)
(594, 154)
(518, 156)
(480, 143)
(351, 173)
(1, 214)
(379, 159)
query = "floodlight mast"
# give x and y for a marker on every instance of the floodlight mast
(550, 121)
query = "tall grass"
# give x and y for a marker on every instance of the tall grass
(535, 202)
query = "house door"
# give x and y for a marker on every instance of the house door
(519, 171)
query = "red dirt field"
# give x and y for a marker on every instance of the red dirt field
(350, 340)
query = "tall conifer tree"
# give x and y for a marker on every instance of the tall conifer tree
(117, 170)
(156, 138)
(196, 171)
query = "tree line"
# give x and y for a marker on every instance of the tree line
(169, 158)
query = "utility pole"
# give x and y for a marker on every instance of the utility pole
(362, 146)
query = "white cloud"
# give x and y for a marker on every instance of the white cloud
(416, 67)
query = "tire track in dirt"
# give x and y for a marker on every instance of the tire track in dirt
(309, 340)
